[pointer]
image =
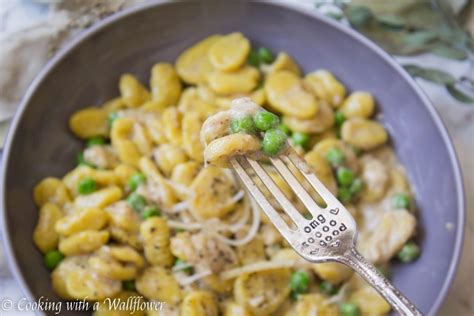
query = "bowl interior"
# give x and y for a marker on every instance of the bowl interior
(87, 75)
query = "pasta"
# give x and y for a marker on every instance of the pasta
(151, 209)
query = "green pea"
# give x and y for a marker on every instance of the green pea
(335, 156)
(81, 161)
(356, 186)
(328, 288)
(409, 252)
(136, 201)
(179, 230)
(285, 129)
(180, 262)
(151, 211)
(349, 309)
(87, 186)
(129, 285)
(344, 194)
(299, 282)
(52, 259)
(401, 201)
(254, 58)
(339, 118)
(243, 125)
(265, 55)
(265, 120)
(273, 141)
(135, 180)
(111, 118)
(99, 140)
(344, 176)
(301, 139)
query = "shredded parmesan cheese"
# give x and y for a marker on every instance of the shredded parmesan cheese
(193, 278)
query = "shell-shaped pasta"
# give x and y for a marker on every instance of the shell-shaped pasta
(114, 104)
(252, 251)
(44, 235)
(167, 156)
(364, 134)
(370, 302)
(200, 100)
(221, 150)
(218, 285)
(133, 93)
(376, 178)
(193, 64)
(322, 121)
(89, 122)
(100, 198)
(156, 283)
(59, 274)
(83, 242)
(123, 173)
(86, 219)
(322, 169)
(103, 157)
(165, 86)
(229, 52)
(233, 309)
(181, 246)
(262, 292)
(156, 241)
(325, 145)
(199, 303)
(398, 180)
(325, 87)
(243, 80)
(116, 262)
(333, 272)
(286, 94)
(284, 61)
(212, 193)
(51, 190)
(102, 177)
(83, 284)
(121, 133)
(171, 122)
(182, 177)
(393, 230)
(191, 124)
(358, 104)
(123, 216)
(106, 308)
(155, 129)
(309, 304)
(158, 188)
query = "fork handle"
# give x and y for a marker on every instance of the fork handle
(399, 302)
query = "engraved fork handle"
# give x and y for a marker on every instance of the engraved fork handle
(399, 302)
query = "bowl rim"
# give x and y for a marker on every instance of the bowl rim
(71, 45)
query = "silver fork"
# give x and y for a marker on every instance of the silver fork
(331, 233)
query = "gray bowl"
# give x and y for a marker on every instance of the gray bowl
(86, 73)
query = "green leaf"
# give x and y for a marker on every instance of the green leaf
(458, 94)
(449, 52)
(391, 21)
(358, 16)
(430, 74)
(420, 38)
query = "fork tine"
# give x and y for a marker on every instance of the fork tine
(303, 167)
(286, 204)
(272, 214)
(299, 190)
